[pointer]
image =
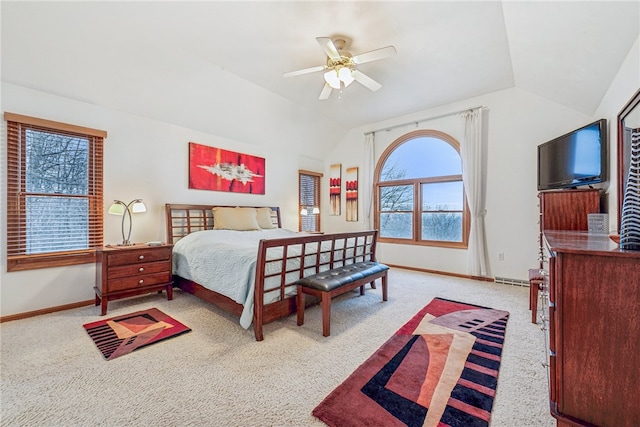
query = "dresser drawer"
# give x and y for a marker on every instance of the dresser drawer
(136, 270)
(124, 283)
(138, 256)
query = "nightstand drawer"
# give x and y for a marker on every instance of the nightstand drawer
(136, 270)
(123, 283)
(136, 257)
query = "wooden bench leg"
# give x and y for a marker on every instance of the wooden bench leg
(384, 287)
(326, 292)
(300, 306)
(326, 314)
(534, 287)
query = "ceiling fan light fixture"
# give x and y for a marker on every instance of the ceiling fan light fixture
(332, 79)
(345, 76)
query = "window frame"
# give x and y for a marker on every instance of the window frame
(317, 179)
(16, 221)
(417, 183)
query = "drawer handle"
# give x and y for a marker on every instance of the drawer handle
(141, 257)
(141, 281)
(141, 269)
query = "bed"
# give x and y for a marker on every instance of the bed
(251, 273)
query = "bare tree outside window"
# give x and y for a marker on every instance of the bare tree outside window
(420, 192)
(56, 167)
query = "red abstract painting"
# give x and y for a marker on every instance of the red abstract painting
(335, 184)
(222, 170)
(351, 190)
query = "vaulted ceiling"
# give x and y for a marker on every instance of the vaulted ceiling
(172, 60)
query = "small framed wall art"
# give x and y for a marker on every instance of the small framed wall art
(335, 185)
(351, 193)
(223, 170)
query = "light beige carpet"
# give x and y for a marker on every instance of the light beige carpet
(218, 375)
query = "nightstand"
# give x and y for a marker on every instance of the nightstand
(123, 271)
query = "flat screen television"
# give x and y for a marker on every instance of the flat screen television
(574, 159)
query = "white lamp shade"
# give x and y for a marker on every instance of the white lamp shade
(138, 207)
(331, 77)
(117, 208)
(304, 211)
(345, 75)
(316, 210)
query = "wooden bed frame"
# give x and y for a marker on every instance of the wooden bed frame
(315, 253)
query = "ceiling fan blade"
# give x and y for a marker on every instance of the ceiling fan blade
(374, 55)
(329, 48)
(365, 80)
(326, 91)
(304, 71)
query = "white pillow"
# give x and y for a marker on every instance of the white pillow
(239, 219)
(264, 218)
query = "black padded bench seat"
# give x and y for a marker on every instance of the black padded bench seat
(337, 281)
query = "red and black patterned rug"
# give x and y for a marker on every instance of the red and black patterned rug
(440, 369)
(121, 335)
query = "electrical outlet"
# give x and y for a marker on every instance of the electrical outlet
(500, 256)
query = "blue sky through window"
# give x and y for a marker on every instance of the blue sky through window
(416, 157)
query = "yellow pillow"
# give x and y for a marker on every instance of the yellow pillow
(264, 218)
(240, 219)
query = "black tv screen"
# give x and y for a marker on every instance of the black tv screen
(574, 159)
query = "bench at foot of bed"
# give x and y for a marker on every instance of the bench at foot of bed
(338, 281)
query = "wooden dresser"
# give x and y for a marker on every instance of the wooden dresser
(594, 330)
(559, 210)
(122, 271)
(565, 210)
(568, 209)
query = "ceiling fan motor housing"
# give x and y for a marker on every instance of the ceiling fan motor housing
(343, 61)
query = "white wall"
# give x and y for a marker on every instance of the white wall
(144, 159)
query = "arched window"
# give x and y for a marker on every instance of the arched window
(419, 195)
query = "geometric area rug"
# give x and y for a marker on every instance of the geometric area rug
(439, 369)
(121, 335)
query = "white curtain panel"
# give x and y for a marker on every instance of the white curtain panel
(369, 168)
(472, 177)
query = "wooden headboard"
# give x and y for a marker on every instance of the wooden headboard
(185, 219)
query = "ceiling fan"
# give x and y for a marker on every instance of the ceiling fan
(341, 68)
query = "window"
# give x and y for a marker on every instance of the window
(309, 201)
(419, 193)
(54, 193)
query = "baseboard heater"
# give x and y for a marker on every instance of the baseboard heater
(508, 281)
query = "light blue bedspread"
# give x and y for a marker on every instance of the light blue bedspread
(224, 261)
